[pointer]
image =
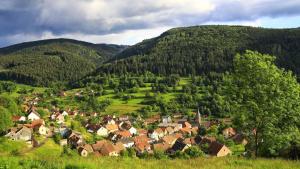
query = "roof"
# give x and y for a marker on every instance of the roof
(35, 113)
(190, 141)
(119, 147)
(35, 123)
(98, 145)
(107, 148)
(177, 135)
(142, 146)
(187, 124)
(126, 140)
(124, 133)
(169, 139)
(159, 130)
(215, 147)
(207, 140)
(141, 139)
(161, 147)
(87, 147)
(142, 132)
(170, 129)
(179, 145)
(111, 127)
(16, 118)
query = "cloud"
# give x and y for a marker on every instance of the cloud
(33, 19)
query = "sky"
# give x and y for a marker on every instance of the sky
(131, 21)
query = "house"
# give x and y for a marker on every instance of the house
(133, 131)
(228, 132)
(24, 133)
(173, 125)
(169, 139)
(92, 128)
(239, 139)
(179, 145)
(141, 139)
(169, 130)
(123, 118)
(218, 149)
(207, 140)
(58, 117)
(166, 119)
(85, 150)
(39, 127)
(109, 120)
(186, 125)
(98, 145)
(189, 141)
(102, 131)
(123, 134)
(153, 134)
(64, 113)
(127, 142)
(33, 115)
(112, 128)
(161, 147)
(152, 120)
(160, 132)
(142, 147)
(108, 149)
(62, 94)
(63, 142)
(119, 147)
(75, 140)
(18, 118)
(124, 125)
(141, 132)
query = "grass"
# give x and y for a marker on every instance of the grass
(49, 150)
(134, 163)
(8, 146)
(49, 156)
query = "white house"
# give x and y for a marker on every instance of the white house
(133, 131)
(33, 115)
(153, 135)
(102, 131)
(43, 130)
(64, 113)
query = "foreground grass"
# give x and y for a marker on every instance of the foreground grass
(133, 163)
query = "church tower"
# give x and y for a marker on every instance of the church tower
(198, 118)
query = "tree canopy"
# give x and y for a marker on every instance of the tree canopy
(266, 103)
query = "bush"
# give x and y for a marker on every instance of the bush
(194, 152)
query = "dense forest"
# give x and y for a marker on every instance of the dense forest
(57, 60)
(202, 49)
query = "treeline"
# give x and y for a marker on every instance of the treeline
(202, 49)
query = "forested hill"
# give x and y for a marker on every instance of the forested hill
(55, 60)
(202, 49)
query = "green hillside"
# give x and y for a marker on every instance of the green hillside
(56, 60)
(202, 49)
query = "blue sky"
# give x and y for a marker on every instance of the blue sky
(131, 21)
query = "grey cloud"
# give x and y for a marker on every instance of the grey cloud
(100, 17)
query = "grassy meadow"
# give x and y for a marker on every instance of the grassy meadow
(134, 163)
(49, 156)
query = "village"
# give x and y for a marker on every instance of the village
(167, 134)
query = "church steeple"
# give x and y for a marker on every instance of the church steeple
(198, 118)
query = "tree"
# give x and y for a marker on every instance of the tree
(265, 101)
(5, 119)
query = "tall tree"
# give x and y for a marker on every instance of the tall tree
(266, 103)
(5, 119)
